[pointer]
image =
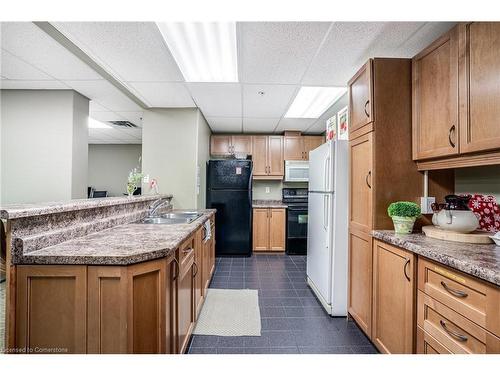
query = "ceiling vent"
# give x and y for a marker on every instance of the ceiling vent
(124, 124)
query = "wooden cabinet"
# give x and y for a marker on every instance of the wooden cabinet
(269, 227)
(199, 282)
(360, 279)
(185, 294)
(435, 99)
(267, 156)
(51, 309)
(226, 145)
(394, 286)
(361, 98)
(297, 147)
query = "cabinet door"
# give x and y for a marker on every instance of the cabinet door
(185, 304)
(107, 310)
(147, 303)
(205, 268)
(361, 178)
(241, 144)
(276, 162)
(51, 308)
(360, 279)
(260, 229)
(310, 143)
(294, 147)
(426, 344)
(393, 299)
(435, 99)
(259, 155)
(197, 272)
(479, 86)
(220, 145)
(277, 229)
(360, 97)
(212, 247)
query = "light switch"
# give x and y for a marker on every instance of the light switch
(268, 190)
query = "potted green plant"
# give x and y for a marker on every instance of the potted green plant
(403, 216)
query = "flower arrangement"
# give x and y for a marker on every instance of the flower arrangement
(134, 180)
(403, 216)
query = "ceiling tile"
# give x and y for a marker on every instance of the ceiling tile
(224, 124)
(96, 107)
(13, 67)
(319, 125)
(105, 94)
(28, 42)
(278, 52)
(273, 104)
(217, 99)
(294, 124)
(259, 125)
(106, 116)
(164, 94)
(424, 36)
(134, 51)
(32, 85)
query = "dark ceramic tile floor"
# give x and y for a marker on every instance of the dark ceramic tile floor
(293, 320)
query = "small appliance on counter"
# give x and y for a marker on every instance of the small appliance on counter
(455, 215)
(296, 220)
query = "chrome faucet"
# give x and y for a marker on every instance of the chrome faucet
(156, 205)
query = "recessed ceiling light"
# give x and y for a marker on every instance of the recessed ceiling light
(204, 51)
(312, 102)
(94, 124)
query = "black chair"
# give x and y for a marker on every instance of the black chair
(100, 194)
(90, 191)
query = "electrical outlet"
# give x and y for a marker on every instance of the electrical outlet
(268, 190)
(426, 203)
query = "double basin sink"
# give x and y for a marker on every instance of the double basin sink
(181, 217)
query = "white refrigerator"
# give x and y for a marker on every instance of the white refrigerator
(327, 230)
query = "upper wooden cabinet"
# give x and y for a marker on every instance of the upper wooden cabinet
(267, 156)
(456, 91)
(297, 147)
(479, 67)
(435, 99)
(225, 145)
(361, 97)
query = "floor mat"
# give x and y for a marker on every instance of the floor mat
(230, 312)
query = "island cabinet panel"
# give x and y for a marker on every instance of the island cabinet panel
(394, 286)
(479, 77)
(147, 302)
(435, 99)
(107, 310)
(51, 309)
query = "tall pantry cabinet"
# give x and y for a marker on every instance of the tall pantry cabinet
(381, 168)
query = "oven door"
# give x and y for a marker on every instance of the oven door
(296, 171)
(297, 230)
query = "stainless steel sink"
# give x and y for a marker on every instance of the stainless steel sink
(161, 220)
(181, 217)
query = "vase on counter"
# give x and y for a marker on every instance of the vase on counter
(403, 224)
(131, 188)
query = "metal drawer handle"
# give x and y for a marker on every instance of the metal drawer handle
(188, 250)
(452, 130)
(196, 271)
(406, 274)
(455, 335)
(366, 112)
(366, 179)
(457, 293)
(176, 270)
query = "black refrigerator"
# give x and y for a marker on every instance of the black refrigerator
(229, 191)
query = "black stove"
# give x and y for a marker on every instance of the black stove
(296, 225)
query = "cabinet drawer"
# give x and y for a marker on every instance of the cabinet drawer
(426, 344)
(186, 256)
(474, 299)
(455, 332)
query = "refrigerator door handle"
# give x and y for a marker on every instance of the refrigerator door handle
(326, 174)
(326, 220)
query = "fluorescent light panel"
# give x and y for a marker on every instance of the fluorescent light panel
(94, 124)
(312, 102)
(204, 51)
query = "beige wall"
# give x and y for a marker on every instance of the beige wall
(482, 180)
(44, 139)
(259, 188)
(109, 166)
(170, 139)
(203, 154)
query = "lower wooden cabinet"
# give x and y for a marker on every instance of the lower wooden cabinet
(185, 295)
(199, 282)
(269, 229)
(393, 316)
(360, 279)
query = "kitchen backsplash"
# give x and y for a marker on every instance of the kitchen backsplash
(481, 180)
(259, 188)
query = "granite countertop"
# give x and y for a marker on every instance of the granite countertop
(14, 211)
(119, 245)
(268, 203)
(482, 261)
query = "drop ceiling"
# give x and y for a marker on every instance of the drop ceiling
(274, 60)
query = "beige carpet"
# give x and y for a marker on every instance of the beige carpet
(230, 312)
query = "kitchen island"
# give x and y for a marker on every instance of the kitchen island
(87, 277)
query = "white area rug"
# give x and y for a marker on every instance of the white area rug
(230, 312)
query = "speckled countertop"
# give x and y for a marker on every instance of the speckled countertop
(120, 245)
(268, 203)
(482, 261)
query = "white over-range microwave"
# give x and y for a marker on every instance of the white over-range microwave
(296, 171)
